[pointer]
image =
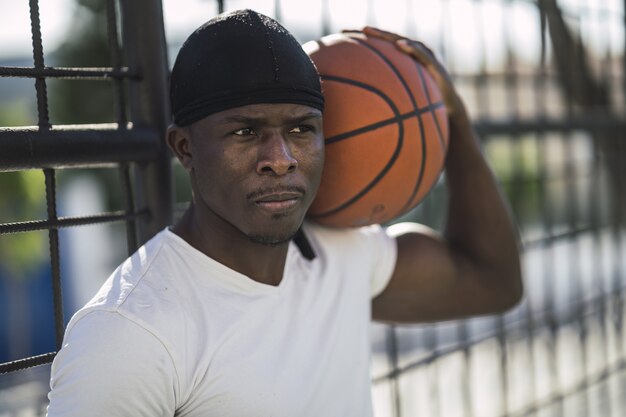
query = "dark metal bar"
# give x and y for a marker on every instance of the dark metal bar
(62, 222)
(502, 338)
(511, 98)
(53, 236)
(102, 74)
(40, 82)
(515, 157)
(392, 355)
(510, 76)
(608, 71)
(25, 363)
(529, 330)
(116, 60)
(503, 74)
(624, 54)
(548, 319)
(480, 82)
(581, 122)
(120, 102)
(432, 344)
(618, 273)
(541, 103)
(145, 49)
(463, 337)
(575, 291)
(129, 204)
(71, 146)
(548, 240)
(594, 201)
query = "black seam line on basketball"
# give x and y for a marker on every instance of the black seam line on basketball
(420, 72)
(425, 87)
(382, 123)
(422, 169)
(391, 66)
(415, 108)
(391, 161)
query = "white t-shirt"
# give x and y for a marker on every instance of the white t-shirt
(174, 333)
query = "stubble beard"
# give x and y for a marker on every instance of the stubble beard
(273, 239)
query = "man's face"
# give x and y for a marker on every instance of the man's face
(255, 169)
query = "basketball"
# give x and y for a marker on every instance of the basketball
(385, 128)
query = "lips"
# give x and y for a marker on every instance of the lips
(277, 200)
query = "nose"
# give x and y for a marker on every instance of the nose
(275, 157)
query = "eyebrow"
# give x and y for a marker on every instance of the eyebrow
(253, 119)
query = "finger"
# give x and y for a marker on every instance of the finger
(382, 34)
(426, 57)
(351, 31)
(414, 50)
(416, 46)
(423, 55)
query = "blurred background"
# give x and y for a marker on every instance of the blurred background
(84, 180)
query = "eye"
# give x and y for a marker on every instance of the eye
(302, 129)
(246, 131)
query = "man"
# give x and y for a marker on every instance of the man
(242, 308)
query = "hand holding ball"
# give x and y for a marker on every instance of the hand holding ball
(386, 131)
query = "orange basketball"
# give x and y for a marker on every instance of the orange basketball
(386, 131)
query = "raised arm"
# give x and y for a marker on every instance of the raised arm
(473, 268)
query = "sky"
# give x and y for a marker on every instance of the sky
(474, 31)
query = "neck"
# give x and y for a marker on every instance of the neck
(230, 247)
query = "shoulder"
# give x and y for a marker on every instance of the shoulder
(356, 238)
(140, 296)
(108, 361)
(367, 254)
(127, 276)
(111, 332)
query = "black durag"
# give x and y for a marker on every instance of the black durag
(240, 58)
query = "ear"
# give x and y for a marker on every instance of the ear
(179, 141)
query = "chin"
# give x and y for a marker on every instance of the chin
(271, 240)
(275, 235)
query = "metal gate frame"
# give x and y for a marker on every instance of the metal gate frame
(134, 144)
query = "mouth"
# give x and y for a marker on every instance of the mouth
(277, 199)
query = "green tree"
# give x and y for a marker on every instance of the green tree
(22, 253)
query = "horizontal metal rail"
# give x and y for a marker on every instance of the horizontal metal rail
(504, 74)
(70, 73)
(74, 146)
(61, 222)
(547, 240)
(566, 124)
(25, 363)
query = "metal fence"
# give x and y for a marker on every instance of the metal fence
(132, 143)
(545, 82)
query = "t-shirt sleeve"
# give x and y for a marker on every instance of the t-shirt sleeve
(384, 254)
(111, 366)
